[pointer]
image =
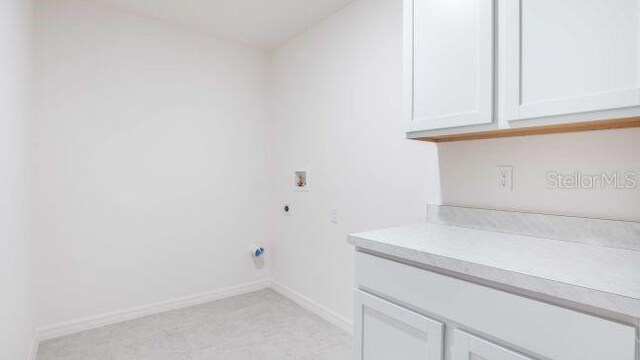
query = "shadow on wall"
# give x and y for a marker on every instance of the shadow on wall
(604, 167)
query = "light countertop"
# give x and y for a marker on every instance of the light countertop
(603, 277)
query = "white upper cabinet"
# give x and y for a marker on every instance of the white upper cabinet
(449, 63)
(561, 57)
(474, 66)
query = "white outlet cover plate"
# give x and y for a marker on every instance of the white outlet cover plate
(504, 176)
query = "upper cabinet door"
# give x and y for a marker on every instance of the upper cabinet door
(449, 63)
(568, 56)
(466, 346)
(386, 331)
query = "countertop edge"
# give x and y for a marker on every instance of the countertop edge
(599, 299)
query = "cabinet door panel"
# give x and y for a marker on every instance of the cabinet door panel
(449, 63)
(386, 331)
(469, 347)
(568, 56)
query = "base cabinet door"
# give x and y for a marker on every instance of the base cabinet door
(386, 331)
(469, 347)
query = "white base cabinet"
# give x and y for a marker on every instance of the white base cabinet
(405, 312)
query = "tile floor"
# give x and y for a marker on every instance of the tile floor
(262, 325)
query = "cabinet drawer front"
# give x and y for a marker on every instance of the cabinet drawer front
(387, 331)
(542, 329)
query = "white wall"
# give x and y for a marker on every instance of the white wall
(152, 176)
(468, 173)
(17, 313)
(337, 102)
(149, 139)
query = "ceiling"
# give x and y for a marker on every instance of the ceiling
(261, 23)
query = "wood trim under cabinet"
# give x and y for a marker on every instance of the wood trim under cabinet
(538, 130)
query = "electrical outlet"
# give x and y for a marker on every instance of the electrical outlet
(505, 178)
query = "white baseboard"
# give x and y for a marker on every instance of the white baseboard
(320, 310)
(92, 322)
